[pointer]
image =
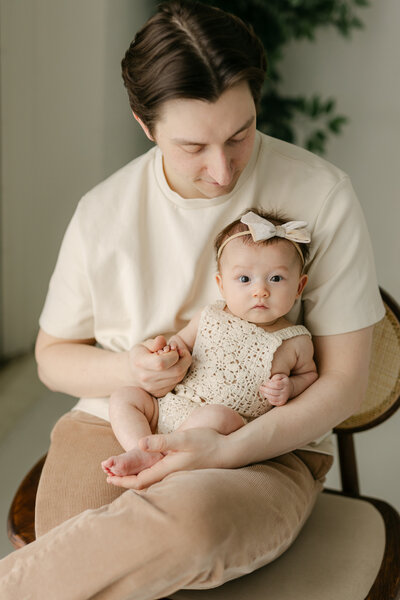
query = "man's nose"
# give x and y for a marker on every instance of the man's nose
(220, 167)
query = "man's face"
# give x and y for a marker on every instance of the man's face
(206, 145)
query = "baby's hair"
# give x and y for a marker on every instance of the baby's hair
(237, 226)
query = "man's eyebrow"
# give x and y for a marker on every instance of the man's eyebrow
(184, 142)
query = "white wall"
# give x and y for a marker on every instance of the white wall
(65, 126)
(363, 75)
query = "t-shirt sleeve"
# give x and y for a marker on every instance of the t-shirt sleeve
(342, 293)
(68, 309)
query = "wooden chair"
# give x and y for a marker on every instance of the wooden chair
(349, 548)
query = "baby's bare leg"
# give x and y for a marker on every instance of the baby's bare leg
(133, 415)
(223, 419)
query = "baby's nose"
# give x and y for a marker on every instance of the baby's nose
(261, 290)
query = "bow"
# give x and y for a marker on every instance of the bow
(261, 229)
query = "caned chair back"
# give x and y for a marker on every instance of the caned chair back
(383, 394)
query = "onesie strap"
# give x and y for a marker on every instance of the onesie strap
(292, 331)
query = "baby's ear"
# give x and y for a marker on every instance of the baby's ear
(218, 279)
(302, 284)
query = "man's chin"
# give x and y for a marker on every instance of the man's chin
(212, 190)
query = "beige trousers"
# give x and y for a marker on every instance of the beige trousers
(194, 529)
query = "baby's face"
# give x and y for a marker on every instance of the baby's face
(260, 283)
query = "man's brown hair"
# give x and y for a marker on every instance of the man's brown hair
(190, 50)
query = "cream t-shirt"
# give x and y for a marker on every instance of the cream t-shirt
(137, 260)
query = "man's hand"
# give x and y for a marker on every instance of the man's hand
(277, 390)
(187, 450)
(158, 371)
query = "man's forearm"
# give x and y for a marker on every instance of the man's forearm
(300, 421)
(82, 369)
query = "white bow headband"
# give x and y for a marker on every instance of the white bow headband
(260, 229)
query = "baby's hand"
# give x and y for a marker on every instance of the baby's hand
(177, 343)
(171, 346)
(276, 390)
(167, 348)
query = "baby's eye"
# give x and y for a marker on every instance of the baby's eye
(244, 279)
(276, 278)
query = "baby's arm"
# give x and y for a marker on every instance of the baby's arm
(281, 386)
(188, 334)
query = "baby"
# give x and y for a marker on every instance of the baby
(247, 357)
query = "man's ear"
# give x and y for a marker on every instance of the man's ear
(302, 284)
(144, 127)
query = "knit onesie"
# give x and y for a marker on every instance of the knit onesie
(231, 359)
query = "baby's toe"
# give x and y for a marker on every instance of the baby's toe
(107, 465)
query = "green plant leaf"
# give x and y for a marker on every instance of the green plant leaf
(277, 23)
(336, 124)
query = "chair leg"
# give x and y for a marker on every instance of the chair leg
(21, 517)
(348, 465)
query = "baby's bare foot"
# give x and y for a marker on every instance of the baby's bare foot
(130, 463)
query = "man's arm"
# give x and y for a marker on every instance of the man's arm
(343, 363)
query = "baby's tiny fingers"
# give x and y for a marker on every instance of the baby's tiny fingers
(276, 385)
(269, 392)
(163, 350)
(274, 393)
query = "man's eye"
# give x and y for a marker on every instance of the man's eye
(244, 279)
(192, 148)
(236, 140)
(240, 137)
(276, 278)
